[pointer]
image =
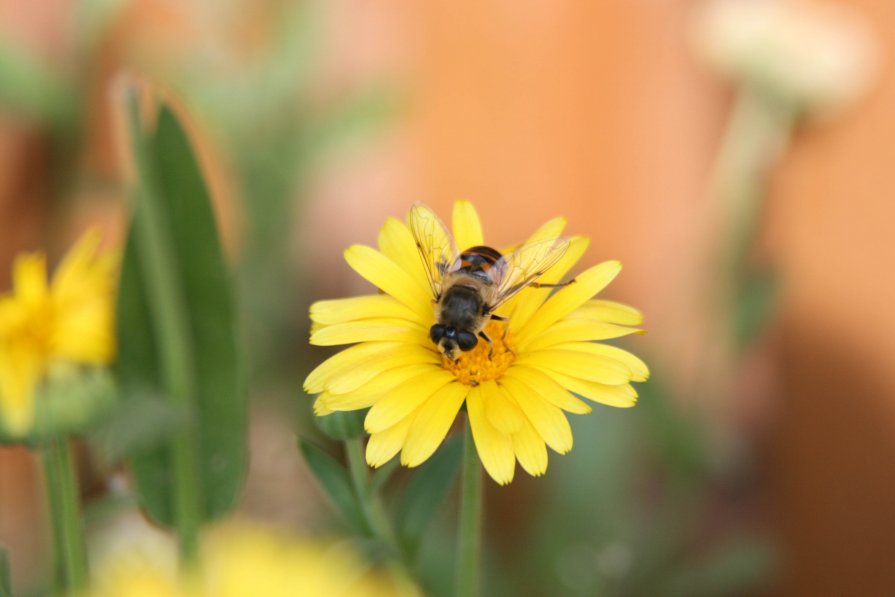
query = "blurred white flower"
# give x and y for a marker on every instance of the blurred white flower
(816, 56)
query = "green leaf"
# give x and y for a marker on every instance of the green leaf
(426, 491)
(740, 567)
(137, 425)
(342, 425)
(177, 335)
(108, 507)
(5, 576)
(755, 305)
(72, 400)
(677, 438)
(334, 480)
(31, 87)
(355, 117)
(382, 475)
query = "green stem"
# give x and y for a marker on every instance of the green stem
(469, 543)
(170, 321)
(68, 532)
(371, 508)
(755, 136)
(5, 576)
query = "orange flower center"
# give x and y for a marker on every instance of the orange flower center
(484, 362)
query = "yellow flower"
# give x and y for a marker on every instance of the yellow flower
(516, 392)
(240, 560)
(43, 326)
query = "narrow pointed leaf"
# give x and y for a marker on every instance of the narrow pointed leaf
(175, 283)
(343, 425)
(333, 478)
(382, 475)
(426, 492)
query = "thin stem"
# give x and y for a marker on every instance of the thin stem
(170, 321)
(756, 135)
(5, 577)
(469, 544)
(68, 532)
(369, 503)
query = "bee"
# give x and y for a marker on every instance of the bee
(469, 285)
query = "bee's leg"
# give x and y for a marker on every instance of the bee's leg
(485, 337)
(497, 317)
(539, 285)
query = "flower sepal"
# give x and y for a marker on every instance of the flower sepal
(69, 401)
(343, 425)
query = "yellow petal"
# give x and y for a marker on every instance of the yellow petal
(567, 299)
(370, 330)
(529, 300)
(328, 403)
(404, 399)
(501, 411)
(494, 447)
(371, 306)
(83, 333)
(388, 379)
(30, 277)
(396, 242)
(361, 363)
(548, 420)
(82, 269)
(383, 446)
(639, 370)
(530, 450)
(543, 385)
(369, 393)
(576, 330)
(406, 354)
(550, 229)
(467, 226)
(19, 375)
(609, 311)
(386, 275)
(578, 364)
(321, 409)
(621, 396)
(432, 422)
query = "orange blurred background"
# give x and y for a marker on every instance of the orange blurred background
(593, 110)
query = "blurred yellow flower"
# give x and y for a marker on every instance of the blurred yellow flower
(46, 326)
(239, 560)
(516, 388)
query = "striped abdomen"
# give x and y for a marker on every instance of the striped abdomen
(476, 261)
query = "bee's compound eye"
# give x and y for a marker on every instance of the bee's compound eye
(436, 332)
(466, 340)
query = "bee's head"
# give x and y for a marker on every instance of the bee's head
(449, 339)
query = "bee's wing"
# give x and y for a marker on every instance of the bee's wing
(434, 243)
(515, 271)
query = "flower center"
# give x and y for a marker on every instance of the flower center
(484, 362)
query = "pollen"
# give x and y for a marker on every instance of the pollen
(484, 362)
